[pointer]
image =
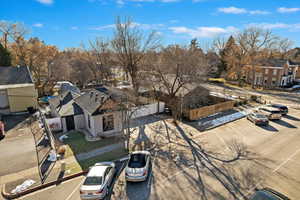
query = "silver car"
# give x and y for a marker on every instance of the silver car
(138, 166)
(97, 181)
(257, 118)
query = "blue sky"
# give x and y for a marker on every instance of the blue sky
(68, 23)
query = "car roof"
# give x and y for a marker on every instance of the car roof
(141, 152)
(270, 108)
(278, 105)
(97, 170)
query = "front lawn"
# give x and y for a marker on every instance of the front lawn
(85, 164)
(76, 143)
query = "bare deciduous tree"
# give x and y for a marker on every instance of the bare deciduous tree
(12, 31)
(130, 45)
(100, 57)
(252, 41)
(176, 68)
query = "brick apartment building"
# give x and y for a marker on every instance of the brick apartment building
(271, 73)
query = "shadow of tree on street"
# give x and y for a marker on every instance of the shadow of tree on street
(284, 123)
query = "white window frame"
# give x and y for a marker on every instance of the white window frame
(266, 71)
(274, 72)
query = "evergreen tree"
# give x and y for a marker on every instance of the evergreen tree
(5, 58)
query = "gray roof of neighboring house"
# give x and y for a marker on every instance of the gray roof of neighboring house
(65, 105)
(67, 87)
(93, 99)
(15, 75)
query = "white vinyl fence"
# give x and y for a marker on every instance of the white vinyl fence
(148, 110)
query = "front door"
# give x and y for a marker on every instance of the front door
(70, 123)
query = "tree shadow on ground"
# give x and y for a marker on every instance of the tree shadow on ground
(291, 117)
(235, 182)
(269, 128)
(147, 120)
(284, 123)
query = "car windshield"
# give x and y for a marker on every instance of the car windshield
(93, 180)
(261, 195)
(260, 116)
(137, 161)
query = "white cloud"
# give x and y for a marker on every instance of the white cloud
(74, 28)
(235, 10)
(38, 25)
(100, 28)
(232, 10)
(47, 2)
(203, 32)
(173, 21)
(258, 12)
(287, 10)
(290, 27)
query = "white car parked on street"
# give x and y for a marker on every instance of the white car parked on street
(138, 166)
(98, 181)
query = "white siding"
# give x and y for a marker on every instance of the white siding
(4, 106)
(98, 123)
(64, 124)
(90, 129)
(79, 121)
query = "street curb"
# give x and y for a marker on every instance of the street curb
(8, 196)
(17, 195)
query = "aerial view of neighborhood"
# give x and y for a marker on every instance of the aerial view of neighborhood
(150, 100)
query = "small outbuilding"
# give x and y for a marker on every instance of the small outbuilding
(17, 90)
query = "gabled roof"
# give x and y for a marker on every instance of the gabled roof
(65, 105)
(15, 75)
(91, 101)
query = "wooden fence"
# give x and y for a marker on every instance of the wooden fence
(194, 114)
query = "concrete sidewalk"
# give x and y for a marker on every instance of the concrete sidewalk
(73, 159)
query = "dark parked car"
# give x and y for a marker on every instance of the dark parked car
(258, 118)
(283, 109)
(268, 194)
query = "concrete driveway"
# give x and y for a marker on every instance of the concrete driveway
(17, 148)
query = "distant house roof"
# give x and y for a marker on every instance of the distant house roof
(274, 62)
(92, 100)
(65, 105)
(15, 75)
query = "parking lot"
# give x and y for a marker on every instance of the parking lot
(252, 157)
(232, 161)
